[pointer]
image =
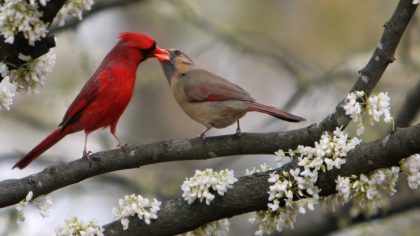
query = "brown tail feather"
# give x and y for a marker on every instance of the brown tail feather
(52, 139)
(253, 106)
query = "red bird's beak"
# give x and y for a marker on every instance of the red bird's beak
(162, 54)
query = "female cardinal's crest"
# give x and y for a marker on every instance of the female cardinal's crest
(141, 41)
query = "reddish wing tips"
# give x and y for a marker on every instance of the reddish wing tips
(162, 54)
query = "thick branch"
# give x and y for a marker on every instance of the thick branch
(10, 52)
(55, 177)
(97, 7)
(379, 61)
(250, 192)
(61, 175)
(410, 107)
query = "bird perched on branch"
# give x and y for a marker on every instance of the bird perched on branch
(105, 95)
(209, 99)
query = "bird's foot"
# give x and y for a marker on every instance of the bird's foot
(122, 146)
(86, 154)
(238, 128)
(203, 134)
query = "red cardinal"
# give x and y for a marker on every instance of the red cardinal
(105, 95)
(207, 98)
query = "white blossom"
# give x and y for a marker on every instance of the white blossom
(43, 203)
(282, 159)
(74, 226)
(4, 70)
(415, 2)
(269, 221)
(73, 8)
(352, 107)
(21, 207)
(282, 187)
(131, 204)
(368, 193)
(411, 167)
(343, 187)
(215, 228)
(6, 98)
(22, 16)
(263, 168)
(31, 75)
(205, 183)
(378, 106)
(328, 153)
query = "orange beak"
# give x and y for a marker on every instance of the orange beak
(162, 54)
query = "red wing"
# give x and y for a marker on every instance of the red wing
(204, 86)
(86, 95)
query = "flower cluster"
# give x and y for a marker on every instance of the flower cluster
(377, 106)
(21, 207)
(43, 203)
(205, 183)
(286, 186)
(368, 192)
(353, 107)
(74, 226)
(330, 150)
(4, 70)
(73, 8)
(31, 75)
(411, 167)
(282, 186)
(22, 16)
(328, 153)
(131, 204)
(269, 221)
(6, 98)
(215, 228)
(263, 168)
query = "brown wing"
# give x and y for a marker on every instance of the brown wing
(201, 85)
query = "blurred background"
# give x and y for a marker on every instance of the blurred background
(302, 56)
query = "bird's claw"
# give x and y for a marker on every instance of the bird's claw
(202, 136)
(122, 146)
(86, 154)
(238, 132)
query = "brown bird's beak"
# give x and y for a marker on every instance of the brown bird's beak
(162, 54)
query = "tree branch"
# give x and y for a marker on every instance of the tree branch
(61, 175)
(97, 7)
(10, 52)
(410, 107)
(58, 176)
(250, 192)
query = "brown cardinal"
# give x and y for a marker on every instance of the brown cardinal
(207, 98)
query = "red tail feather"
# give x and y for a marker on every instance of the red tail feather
(52, 139)
(253, 106)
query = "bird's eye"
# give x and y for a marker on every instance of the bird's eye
(177, 52)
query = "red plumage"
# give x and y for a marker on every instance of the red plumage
(105, 95)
